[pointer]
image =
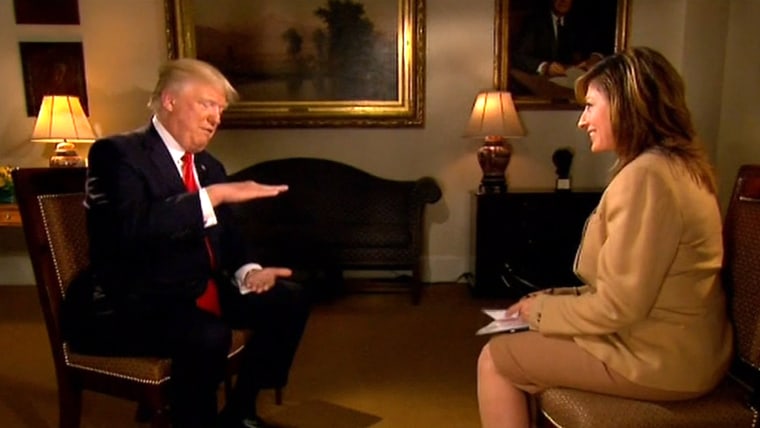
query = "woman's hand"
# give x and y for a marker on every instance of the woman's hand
(261, 280)
(522, 308)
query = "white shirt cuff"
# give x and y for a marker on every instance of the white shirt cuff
(240, 275)
(209, 215)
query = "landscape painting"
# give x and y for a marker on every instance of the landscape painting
(309, 62)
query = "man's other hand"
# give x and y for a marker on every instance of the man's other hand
(261, 280)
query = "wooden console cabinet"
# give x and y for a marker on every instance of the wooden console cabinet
(9, 215)
(536, 233)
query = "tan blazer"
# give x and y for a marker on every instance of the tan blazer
(653, 308)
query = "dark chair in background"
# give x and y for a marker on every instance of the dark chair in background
(735, 401)
(53, 215)
(335, 217)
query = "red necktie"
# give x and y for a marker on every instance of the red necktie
(209, 300)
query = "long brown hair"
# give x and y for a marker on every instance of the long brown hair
(648, 110)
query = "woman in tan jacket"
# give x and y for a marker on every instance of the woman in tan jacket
(650, 322)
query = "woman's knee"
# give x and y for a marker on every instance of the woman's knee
(497, 357)
(485, 361)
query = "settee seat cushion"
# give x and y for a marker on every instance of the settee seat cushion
(344, 236)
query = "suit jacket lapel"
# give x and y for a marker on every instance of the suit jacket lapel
(162, 160)
(201, 168)
(208, 169)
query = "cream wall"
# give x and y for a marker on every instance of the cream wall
(124, 44)
(739, 133)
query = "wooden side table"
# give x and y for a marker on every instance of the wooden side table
(9, 215)
(536, 232)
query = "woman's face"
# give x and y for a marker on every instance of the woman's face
(596, 121)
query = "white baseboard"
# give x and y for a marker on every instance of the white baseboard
(445, 268)
(16, 269)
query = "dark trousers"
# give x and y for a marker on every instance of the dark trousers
(198, 343)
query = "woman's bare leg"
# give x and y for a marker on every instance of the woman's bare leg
(501, 404)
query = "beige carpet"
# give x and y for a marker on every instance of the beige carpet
(366, 360)
(320, 414)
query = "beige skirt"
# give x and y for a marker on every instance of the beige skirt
(533, 362)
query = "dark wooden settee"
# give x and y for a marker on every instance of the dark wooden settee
(335, 218)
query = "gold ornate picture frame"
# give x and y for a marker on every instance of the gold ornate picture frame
(302, 64)
(521, 38)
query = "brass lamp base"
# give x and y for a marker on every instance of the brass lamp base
(66, 156)
(493, 157)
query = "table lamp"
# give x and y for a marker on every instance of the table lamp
(494, 119)
(61, 120)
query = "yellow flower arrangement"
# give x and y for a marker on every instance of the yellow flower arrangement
(6, 184)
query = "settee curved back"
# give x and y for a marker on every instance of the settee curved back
(335, 215)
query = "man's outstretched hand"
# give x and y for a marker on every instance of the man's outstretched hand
(241, 191)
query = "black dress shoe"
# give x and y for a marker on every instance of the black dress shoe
(226, 420)
(254, 423)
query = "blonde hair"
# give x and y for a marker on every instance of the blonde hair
(176, 73)
(647, 99)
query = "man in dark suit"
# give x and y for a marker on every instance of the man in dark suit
(168, 263)
(550, 42)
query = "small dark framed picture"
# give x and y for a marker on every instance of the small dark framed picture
(52, 68)
(47, 12)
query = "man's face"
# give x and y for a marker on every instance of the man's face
(192, 113)
(561, 7)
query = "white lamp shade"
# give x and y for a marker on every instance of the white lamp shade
(62, 118)
(493, 114)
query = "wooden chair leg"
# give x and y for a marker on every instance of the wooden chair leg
(416, 285)
(154, 408)
(227, 387)
(416, 292)
(143, 413)
(160, 420)
(70, 406)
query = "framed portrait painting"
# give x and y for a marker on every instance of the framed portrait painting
(543, 46)
(52, 68)
(309, 63)
(46, 12)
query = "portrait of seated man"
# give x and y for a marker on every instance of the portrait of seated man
(553, 45)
